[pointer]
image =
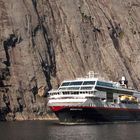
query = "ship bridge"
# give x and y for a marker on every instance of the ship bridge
(86, 83)
(81, 86)
(78, 85)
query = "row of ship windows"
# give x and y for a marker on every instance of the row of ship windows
(78, 83)
(75, 88)
(99, 83)
(72, 93)
(76, 93)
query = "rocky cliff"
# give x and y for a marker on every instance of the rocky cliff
(43, 42)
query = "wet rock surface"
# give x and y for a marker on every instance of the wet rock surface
(43, 42)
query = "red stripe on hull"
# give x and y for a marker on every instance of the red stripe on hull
(58, 108)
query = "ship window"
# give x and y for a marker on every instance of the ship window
(65, 93)
(62, 88)
(73, 88)
(65, 84)
(99, 83)
(109, 96)
(75, 93)
(72, 93)
(91, 92)
(75, 83)
(86, 88)
(89, 83)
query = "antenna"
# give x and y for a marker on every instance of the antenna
(92, 74)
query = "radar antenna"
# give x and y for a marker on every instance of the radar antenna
(92, 74)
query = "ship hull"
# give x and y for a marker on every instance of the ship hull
(92, 115)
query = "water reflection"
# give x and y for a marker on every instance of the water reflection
(51, 130)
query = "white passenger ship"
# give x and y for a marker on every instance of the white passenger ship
(94, 100)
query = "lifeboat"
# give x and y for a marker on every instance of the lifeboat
(128, 98)
(124, 98)
(132, 98)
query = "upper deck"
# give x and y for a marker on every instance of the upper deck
(89, 84)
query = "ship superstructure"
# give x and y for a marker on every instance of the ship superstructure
(94, 100)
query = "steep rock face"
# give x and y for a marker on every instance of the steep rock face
(43, 42)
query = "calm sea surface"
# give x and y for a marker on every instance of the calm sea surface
(51, 130)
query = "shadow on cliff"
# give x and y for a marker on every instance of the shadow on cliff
(8, 43)
(49, 63)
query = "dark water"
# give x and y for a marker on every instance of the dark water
(51, 130)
